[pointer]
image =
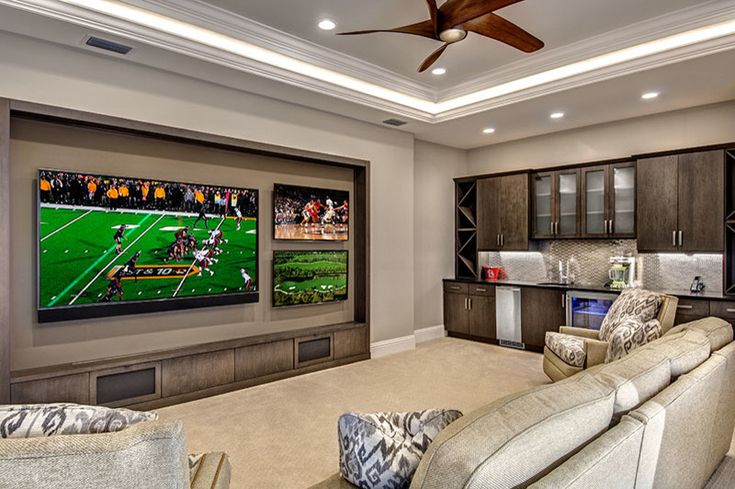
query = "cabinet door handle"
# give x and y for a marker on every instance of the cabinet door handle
(611, 227)
(469, 303)
(729, 309)
(454, 287)
(481, 289)
(551, 225)
(497, 240)
(606, 226)
(685, 307)
(681, 238)
(465, 303)
(502, 240)
(673, 239)
(563, 302)
(556, 228)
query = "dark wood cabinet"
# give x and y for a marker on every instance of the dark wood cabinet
(555, 201)
(542, 310)
(681, 202)
(702, 201)
(469, 310)
(608, 207)
(502, 213)
(456, 313)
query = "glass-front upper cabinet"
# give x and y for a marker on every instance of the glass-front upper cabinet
(622, 207)
(556, 204)
(543, 205)
(608, 201)
(567, 205)
(594, 203)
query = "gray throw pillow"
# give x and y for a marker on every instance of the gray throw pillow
(383, 450)
(37, 420)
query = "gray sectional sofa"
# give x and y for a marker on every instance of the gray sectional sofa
(148, 455)
(662, 418)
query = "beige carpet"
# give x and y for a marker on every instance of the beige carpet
(283, 435)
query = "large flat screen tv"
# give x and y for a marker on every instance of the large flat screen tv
(310, 214)
(112, 245)
(309, 277)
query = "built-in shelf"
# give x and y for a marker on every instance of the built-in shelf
(466, 229)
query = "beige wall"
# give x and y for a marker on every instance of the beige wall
(53, 75)
(680, 129)
(434, 168)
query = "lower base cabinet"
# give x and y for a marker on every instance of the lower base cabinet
(542, 310)
(469, 310)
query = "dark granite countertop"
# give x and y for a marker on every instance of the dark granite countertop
(590, 288)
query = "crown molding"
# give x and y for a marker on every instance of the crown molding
(424, 104)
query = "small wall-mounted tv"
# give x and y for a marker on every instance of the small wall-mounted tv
(310, 214)
(112, 245)
(309, 277)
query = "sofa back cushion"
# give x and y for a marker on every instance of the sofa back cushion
(685, 350)
(678, 430)
(718, 331)
(614, 452)
(516, 440)
(33, 420)
(634, 379)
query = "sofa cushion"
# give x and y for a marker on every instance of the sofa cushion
(209, 471)
(567, 347)
(33, 420)
(718, 331)
(516, 440)
(634, 379)
(384, 449)
(629, 334)
(640, 303)
(685, 350)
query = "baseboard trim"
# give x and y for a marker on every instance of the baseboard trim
(431, 333)
(392, 346)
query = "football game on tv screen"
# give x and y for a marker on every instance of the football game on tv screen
(310, 214)
(309, 277)
(121, 245)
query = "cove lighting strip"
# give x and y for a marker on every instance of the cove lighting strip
(231, 45)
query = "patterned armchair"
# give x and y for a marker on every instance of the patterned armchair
(636, 317)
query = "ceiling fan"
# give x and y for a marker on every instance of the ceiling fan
(451, 22)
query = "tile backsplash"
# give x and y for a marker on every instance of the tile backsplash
(589, 262)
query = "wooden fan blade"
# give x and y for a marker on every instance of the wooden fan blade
(432, 58)
(424, 29)
(434, 13)
(500, 29)
(457, 12)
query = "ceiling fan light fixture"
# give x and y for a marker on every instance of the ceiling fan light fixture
(450, 36)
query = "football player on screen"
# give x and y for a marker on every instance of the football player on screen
(119, 237)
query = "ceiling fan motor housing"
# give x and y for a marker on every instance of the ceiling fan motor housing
(450, 36)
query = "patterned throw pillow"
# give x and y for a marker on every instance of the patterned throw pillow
(37, 420)
(639, 303)
(629, 335)
(383, 450)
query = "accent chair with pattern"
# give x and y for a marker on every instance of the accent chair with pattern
(637, 317)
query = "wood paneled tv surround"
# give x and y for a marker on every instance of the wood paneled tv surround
(167, 357)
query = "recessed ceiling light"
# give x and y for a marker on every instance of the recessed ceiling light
(489, 130)
(327, 24)
(438, 71)
(557, 115)
(650, 95)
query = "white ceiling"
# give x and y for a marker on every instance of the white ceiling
(557, 22)
(688, 79)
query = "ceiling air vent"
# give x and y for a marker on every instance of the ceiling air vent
(395, 122)
(107, 45)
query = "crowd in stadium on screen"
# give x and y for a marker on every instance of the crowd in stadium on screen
(133, 193)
